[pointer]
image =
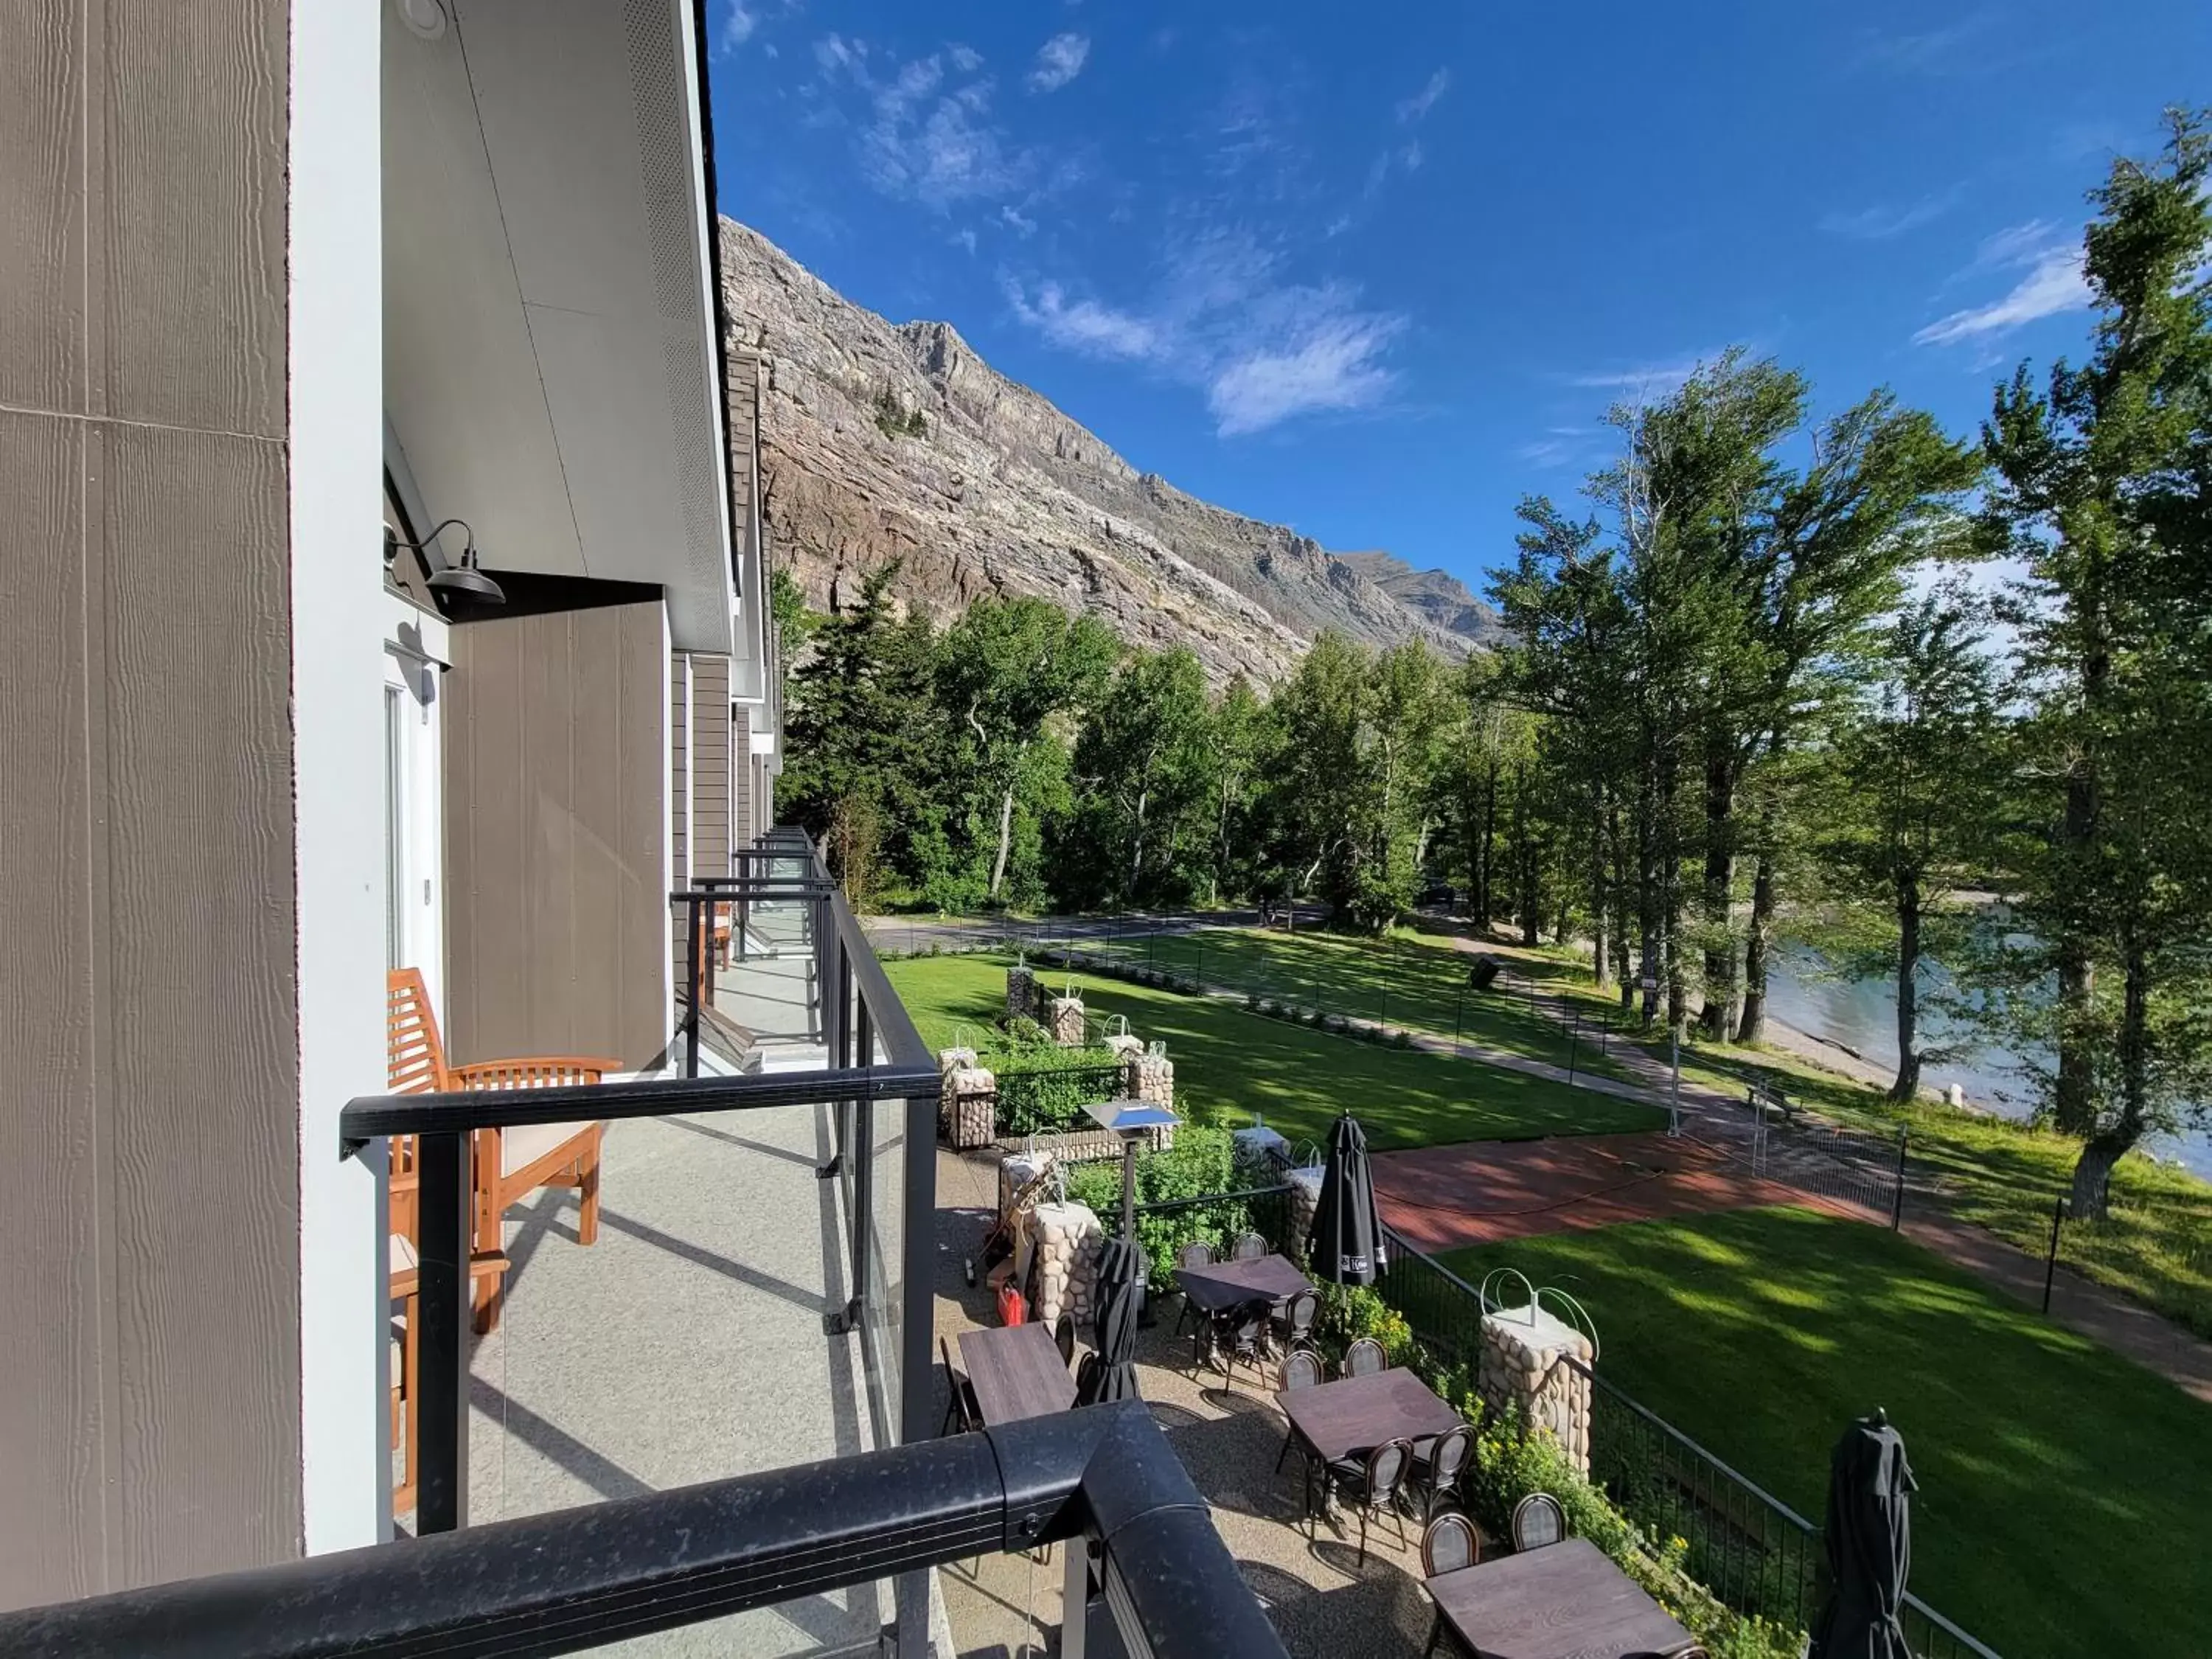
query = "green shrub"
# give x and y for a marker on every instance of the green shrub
(1349, 1312)
(1043, 1090)
(1201, 1161)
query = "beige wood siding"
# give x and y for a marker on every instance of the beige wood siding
(710, 766)
(149, 1416)
(746, 826)
(556, 912)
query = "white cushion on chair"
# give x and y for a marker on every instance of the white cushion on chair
(525, 1144)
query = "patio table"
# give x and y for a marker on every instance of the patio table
(1226, 1284)
(1016, 1372)
(1565, 1600)
(1357, 1413)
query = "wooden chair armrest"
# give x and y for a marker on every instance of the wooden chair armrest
(505, 1073)
(408, 1281)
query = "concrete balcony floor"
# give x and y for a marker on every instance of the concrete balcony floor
(685, 1345)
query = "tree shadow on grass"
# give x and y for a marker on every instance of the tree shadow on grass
(1760, 1333)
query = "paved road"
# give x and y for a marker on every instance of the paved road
(911, 933)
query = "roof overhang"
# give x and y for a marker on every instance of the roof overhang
(551, 348)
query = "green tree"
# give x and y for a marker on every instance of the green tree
(1919, 796)
(2100, 493)
(1144, 769)
(1006, 669)
(862, 730)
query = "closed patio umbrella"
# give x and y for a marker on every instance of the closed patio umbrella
(1870, 1545)
(1346, 1245)
(1110, 1370)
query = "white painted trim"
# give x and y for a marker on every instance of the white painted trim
(669, 882)
(337, 413)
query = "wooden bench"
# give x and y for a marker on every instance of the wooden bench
(1766, 1102)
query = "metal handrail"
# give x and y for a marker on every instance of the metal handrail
(578, 1579)
(458, 1111)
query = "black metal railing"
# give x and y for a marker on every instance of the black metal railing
(874, 1054)
(1758, 1555)
(1838, 1161)
(1215, 1220)
(1142, 1553)
(1049, 1099)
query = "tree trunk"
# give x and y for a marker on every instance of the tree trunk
(1623, 966)
(1006, 839)
(1599, 914)
(1720, 879)
(1647, 905)
(1907, 1087)
(2074, 1102)
(2093, 1174)
(1484, 896)
(1752, 1027)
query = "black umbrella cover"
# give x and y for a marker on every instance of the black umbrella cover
(1870, 1545)
(1346, 1245)
(1109, 1371)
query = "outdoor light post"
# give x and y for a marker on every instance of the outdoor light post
(1130, 1118)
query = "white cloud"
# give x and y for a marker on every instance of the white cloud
(1018, 221)
(1932, 52)
(926, 138)
(1656, 378)
(1881, 223)
(737, 27)
(2052, 284)
(966, 238)
(1084, 325)
(1264, 350)
(1058, 61)
(966, 59)
(1329, 363)
(1413, 109)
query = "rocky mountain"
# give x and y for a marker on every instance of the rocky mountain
(1436, 595)
(883, 441)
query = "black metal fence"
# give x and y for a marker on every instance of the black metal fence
(1048, 1099)
(1752, 1550)
(1835, 1161)
(1215, 1220)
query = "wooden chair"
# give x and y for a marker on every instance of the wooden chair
(509, 1164)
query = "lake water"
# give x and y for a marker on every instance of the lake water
(1863, 1015)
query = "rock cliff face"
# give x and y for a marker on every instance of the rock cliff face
(993, 491)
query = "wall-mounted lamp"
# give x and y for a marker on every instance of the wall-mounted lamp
(464, 578)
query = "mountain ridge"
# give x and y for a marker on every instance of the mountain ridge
(1001, 492)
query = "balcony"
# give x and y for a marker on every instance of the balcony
(710, 1430)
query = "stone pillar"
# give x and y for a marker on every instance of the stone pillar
(1064, 1019)
(967, 1100)
(1524, 1368)
(1060, 1261)
(1149, 1076)
(1125, 1046)
(1261, 1154)
(1021, 992)
(1016, 1172)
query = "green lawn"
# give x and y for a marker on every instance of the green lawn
(1230, 1064)
(2064, 1493)
(2156, 1245)
(1402, 980)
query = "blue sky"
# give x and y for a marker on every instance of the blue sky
(1377, 271)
